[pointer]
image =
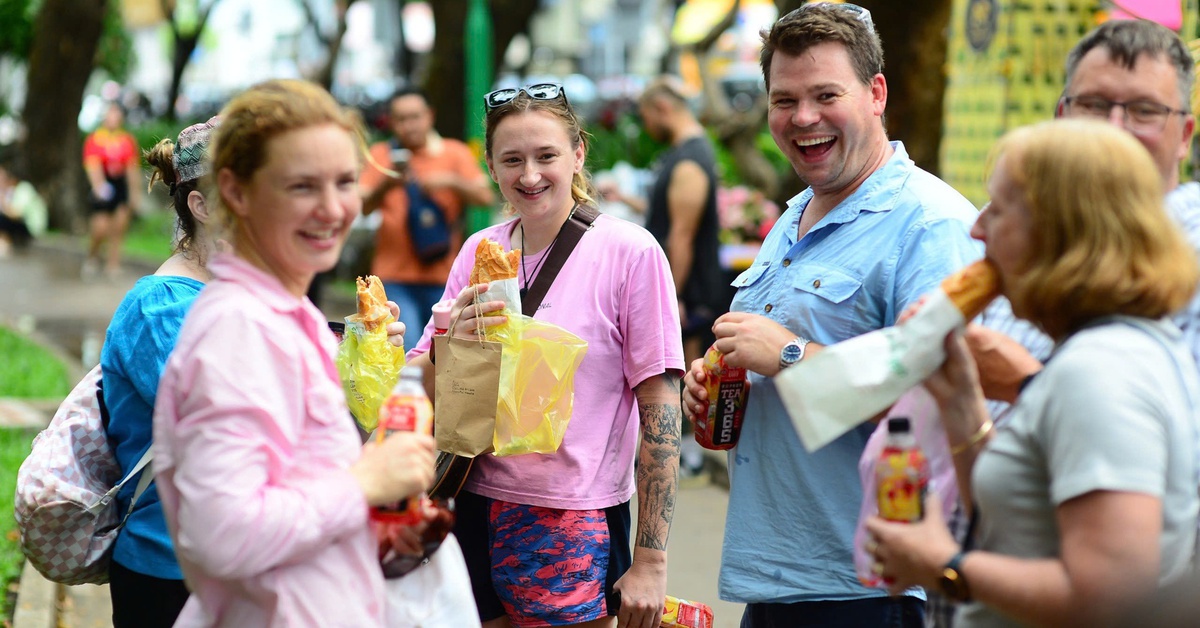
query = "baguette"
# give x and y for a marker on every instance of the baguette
(493, 264)
(372, 303)
(973, 288)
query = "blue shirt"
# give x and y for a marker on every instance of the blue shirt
(140, 337)
(790, 526)
(1183, 204)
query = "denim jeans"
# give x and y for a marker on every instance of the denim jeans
(416, 303)
(882, 612)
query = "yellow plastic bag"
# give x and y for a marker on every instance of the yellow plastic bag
(537, 384)
(369, 366)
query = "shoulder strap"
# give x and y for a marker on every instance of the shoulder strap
(579, 223)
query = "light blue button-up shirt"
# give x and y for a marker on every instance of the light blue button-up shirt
(1183, 204)
(790, 525)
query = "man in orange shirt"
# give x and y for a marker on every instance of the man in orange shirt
(448, 173)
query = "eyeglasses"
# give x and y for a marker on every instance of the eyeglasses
(858, 12)
(541, 91)
(1141, 116)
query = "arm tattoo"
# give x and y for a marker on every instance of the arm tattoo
(658, 458)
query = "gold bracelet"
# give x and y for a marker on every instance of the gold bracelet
(979, 435)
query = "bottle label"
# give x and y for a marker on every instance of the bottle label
(902, 479)
(721, 424)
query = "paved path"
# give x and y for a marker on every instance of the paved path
(41, 292)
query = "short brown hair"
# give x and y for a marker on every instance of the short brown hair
(1102, 242)
(820, 22)
(1128, 40)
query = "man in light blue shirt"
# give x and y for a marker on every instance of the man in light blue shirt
(870, 236)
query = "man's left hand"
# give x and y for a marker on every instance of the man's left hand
(643, 591)
(395, 330)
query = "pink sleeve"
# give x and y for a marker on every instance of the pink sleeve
(653, 339)
(247, 501)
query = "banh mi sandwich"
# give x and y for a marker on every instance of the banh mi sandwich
(493, 264)
(973, 288)
(372, 303)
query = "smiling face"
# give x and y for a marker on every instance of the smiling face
(294, 212)
(1152, 79)
(826, 122)
(534, 163)
(1006, 228)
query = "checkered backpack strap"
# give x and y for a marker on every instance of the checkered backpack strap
(65, 502)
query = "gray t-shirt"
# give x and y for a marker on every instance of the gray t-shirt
(1109, 412)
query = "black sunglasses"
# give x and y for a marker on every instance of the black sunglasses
(541, 91)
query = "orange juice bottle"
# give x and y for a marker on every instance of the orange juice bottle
(721, 423)
(901, 475)
(407, 409)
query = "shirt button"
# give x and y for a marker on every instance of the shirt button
(787, 262)
(817, 283)
(768, 308)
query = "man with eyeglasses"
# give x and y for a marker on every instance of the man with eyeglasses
(1138, 75)
(869, 237)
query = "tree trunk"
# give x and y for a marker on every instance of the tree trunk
(184, 44)
(66, 36)
(445, 83)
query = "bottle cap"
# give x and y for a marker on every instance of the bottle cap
(412, 371)
(441, 314)
(896, 425)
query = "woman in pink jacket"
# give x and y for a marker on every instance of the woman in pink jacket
(264, 483)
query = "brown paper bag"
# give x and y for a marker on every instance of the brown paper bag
(466, 393)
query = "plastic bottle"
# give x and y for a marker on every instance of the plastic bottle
(407, 409)
(441, 317)
(678, 613)
(901, 474)
(721, 423)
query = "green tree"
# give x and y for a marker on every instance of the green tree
(66, 37)
(186, 21)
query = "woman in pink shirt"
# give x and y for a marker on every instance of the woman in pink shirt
(264, 483)
(615, 291)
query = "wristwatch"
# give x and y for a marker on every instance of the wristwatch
(792, 352)
(952, 581)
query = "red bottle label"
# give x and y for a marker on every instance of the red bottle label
(721, 424)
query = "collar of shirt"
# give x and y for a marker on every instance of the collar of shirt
(877, 194)
(262, 285)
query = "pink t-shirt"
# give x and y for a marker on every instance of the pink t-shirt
(616, 292)
(252, 442)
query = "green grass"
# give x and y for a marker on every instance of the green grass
(14, 446)
(28, 370)
(149, 236)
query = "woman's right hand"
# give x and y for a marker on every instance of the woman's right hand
(401, 466)
(695, 391)
(471, 318)
(956, 389)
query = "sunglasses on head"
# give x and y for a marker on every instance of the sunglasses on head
(541, 91)
(858, 12)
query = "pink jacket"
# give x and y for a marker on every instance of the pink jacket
(252, 441)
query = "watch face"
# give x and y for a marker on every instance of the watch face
(791, 353)
(952, 585)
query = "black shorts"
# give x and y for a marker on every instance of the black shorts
(473, 527)
(120, 196)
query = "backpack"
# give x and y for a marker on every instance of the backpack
(65, 505)
(427, 224)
